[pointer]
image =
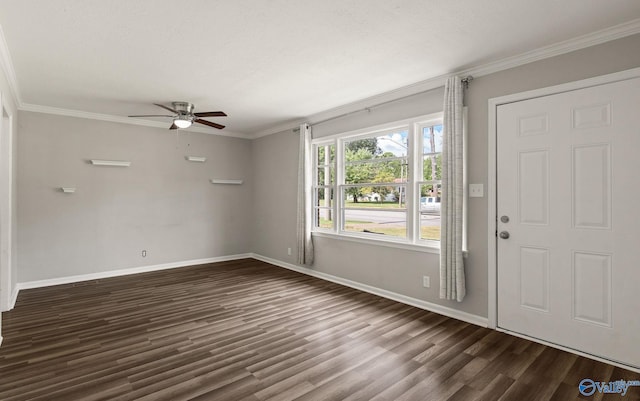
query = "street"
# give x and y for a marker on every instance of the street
(388, 217)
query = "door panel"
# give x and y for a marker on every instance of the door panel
(534, 278)
(592, 288)
(592, 169)
(533, 187)
(569, 180)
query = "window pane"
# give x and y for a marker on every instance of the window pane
(366, 211)
(325, 175)
(378, 159)
(387, 223)
(324, 197)
(430, 227)
(430, 196)
(325, 154)
(323, 218)
(323, 208)
(377, 171)
(431, 191)
(318, 154)
(430, 165)
(373, 195)
(432, 139)
(392, 144)
(358, 173)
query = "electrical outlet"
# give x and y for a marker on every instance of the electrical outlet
(289, 251)
(426, 281)
(144, 253)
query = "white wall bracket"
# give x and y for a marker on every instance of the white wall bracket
(227, 182)
(114, 163)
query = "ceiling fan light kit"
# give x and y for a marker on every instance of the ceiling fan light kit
(182, 122)
(183, 115)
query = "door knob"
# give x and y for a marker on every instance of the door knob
(504, 234)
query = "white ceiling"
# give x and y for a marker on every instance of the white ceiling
(269, 62)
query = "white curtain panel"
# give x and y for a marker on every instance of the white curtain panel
(305, 175)
(452, 281)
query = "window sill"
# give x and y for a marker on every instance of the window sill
(378, 242)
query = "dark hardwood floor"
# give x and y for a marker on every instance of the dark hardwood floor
(246, 330)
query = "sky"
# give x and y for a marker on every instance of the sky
(396, 142)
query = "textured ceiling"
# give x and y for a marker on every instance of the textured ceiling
(273, 61)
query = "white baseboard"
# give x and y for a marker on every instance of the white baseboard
(14, 297)
(124, 272)
(1, 341)
(418, 303)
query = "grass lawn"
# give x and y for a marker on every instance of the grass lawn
(376, 205)
(371, 205)
(426, 232)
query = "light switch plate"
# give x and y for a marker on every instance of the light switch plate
(476, 190)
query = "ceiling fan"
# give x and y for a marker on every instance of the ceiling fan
(184, 116)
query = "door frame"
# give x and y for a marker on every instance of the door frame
(7, 208)
(492, 189)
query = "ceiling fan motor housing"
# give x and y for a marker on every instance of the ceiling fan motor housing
(183, 107)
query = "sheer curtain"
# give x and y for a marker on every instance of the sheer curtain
(452, 281)
(305, 175)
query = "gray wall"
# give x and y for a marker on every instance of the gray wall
(399, 270)
(275, 177)
(167, 206)
(162, 203)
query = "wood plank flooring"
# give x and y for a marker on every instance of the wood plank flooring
(246, 330)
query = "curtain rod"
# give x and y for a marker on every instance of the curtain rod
(465, 83)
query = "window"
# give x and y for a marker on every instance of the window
(430, 184)
(382, 183)
(324, 185)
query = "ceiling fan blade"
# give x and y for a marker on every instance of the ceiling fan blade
(166, 108)
(152, 115)
(211, 114)
(209, 123)
(173, 126)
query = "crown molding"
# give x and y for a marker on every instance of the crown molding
(286, 126)
(581, 42)
(591, 39)
(7, 66)
(121, 119)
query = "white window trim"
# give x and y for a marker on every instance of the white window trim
(388, 242)
(411, 242)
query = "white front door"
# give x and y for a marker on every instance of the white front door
(568, 180)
